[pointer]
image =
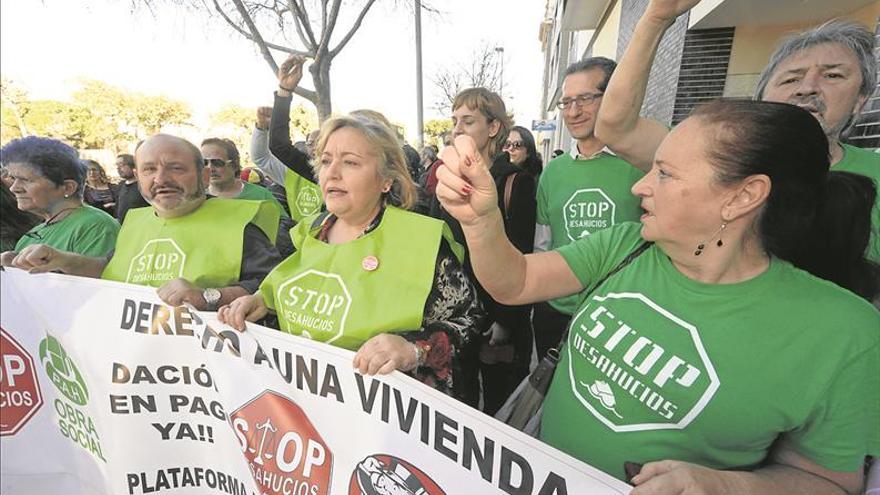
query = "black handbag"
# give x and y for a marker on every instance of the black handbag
(525, 406)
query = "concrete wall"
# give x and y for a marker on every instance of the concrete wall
(606, 38)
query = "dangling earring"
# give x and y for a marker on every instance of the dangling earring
(719, 243)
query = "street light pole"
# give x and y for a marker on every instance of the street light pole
(419, 104)
(500, 51)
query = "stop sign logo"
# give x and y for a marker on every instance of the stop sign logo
(19, 389)
(286, 453)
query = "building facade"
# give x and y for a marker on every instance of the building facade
(718, 49)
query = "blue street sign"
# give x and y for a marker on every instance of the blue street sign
(543, 125)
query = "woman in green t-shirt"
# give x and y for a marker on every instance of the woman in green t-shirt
(48, 181)
(718, 357)
(368, 275)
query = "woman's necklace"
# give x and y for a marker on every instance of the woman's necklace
(54, 218)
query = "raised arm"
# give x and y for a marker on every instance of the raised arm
(289, 74)
(618, 124)
(260, 153)
(466, 190)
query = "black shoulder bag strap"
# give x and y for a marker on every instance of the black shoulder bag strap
(554, 352)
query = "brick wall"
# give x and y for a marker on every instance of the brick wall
(663, 82)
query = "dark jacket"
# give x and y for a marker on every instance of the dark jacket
(519, 225)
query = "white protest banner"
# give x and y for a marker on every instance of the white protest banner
(103, 389)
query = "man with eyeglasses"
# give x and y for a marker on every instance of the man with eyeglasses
(195, 249)
(581, 192)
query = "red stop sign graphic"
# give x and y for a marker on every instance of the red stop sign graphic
(286, 453)
(19, 389)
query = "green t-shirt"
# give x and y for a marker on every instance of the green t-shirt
(258, 193)
(87, 231)
(659, 366)
(577, 198)
(867, 163)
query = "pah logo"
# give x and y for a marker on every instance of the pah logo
(285, 452)
(63, 373)
(308, 200)
(315, 304)
(647, 371)
(586, 212)
(73, 423)
(382, 474)
(160, 260)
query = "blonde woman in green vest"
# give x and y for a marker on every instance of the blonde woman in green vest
(368, 275)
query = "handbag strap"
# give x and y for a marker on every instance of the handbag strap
(626, 261)
(508, 191)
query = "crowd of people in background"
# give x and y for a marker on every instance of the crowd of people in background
(751, 223)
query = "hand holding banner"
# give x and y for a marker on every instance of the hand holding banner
(127, 395)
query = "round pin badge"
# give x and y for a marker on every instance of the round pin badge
(370, 263)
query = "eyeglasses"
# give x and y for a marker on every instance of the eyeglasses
(579, 100)
(216, 162)
(512, 145)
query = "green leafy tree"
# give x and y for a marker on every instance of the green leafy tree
(104, 116)
(434, 128)
(302, 121)
(234, 122)
(149, 114)
(14, 107)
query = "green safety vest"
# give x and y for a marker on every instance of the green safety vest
(203, 247)
(303, 196)
(345, 294)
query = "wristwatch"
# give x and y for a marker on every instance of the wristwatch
(212, 298)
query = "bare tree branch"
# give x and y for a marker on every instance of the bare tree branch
(280, 48)
(313, 39)
(354, 28)
(483, 71)
(257, 38)
(308, 42)
(302, 16)
(264, 49)
(328, 31)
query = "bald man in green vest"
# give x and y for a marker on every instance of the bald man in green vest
(195, 249)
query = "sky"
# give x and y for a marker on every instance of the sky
(46, 45)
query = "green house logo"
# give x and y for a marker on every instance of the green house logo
(61, 370)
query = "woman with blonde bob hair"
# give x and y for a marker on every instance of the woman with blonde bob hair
(367, 274)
